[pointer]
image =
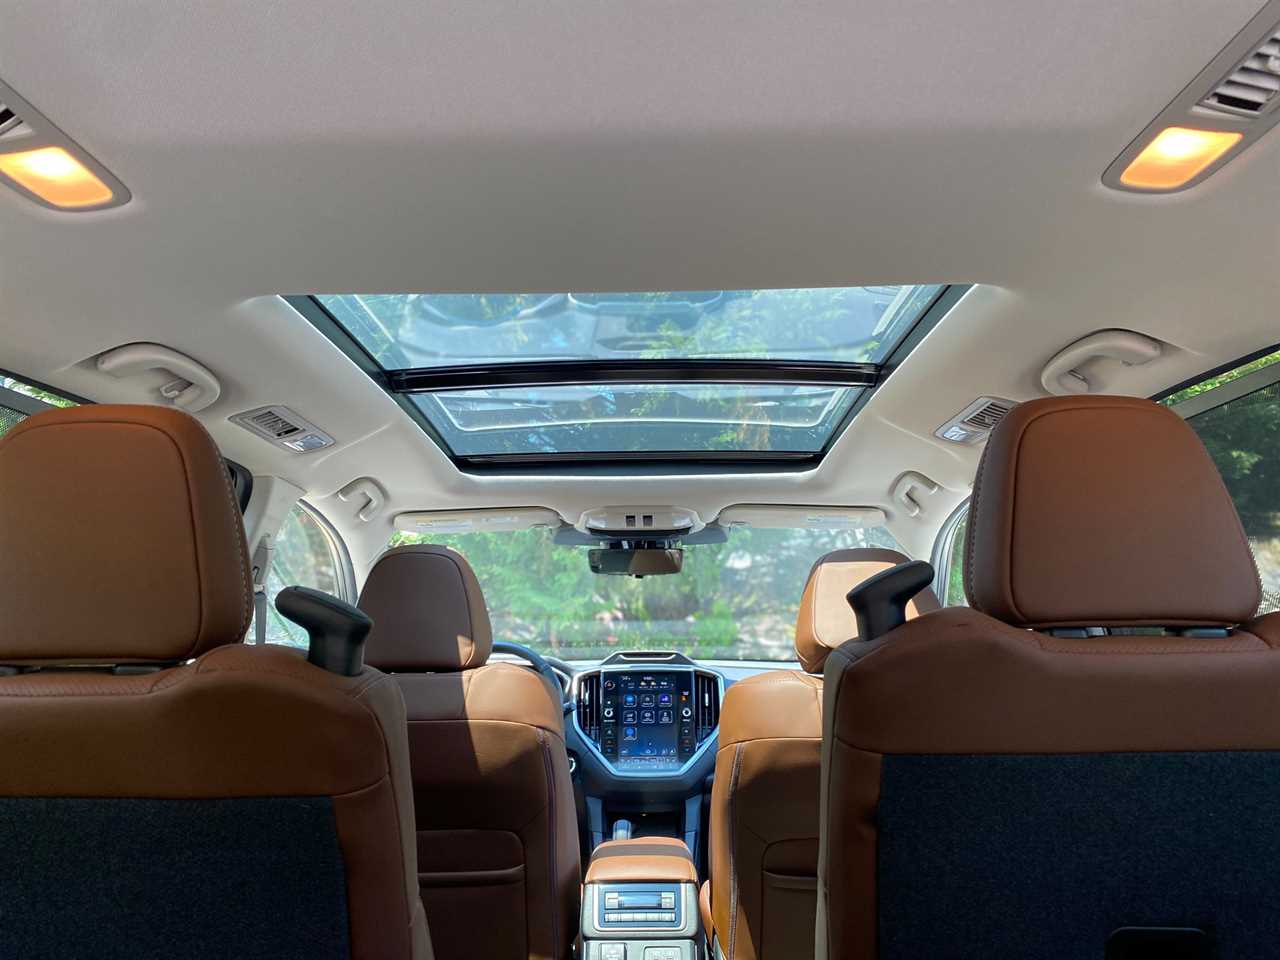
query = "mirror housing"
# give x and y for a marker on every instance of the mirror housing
(636, 561)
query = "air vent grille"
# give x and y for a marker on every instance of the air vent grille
(284, 428)
(1251, 88)
(271, 422)
(706, 704)
(975, 421)
(589, 705)
(11, 124)
(988, 415)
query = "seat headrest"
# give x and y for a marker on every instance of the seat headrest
(826, 620)
(427, 609)
(1104, 511)
(121, 539)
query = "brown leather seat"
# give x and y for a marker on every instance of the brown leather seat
(764, 803)
(1093, 746)
(167, 791)
(497, 829)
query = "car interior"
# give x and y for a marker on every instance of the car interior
(640, 482)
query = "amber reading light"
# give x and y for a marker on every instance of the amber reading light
(1175, 156)
(56, 177)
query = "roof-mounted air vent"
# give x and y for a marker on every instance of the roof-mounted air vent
(284, 428)
(975, 421)
(1251, 88)
(11, 124)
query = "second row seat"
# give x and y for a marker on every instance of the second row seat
(761, 900)
(498, 859)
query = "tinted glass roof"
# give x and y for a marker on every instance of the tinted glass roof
(638, 418)
(719, 374)
(840, 324)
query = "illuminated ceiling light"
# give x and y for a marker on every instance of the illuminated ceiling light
(1176, 156)
(56, 177)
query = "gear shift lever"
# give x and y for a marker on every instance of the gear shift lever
(622, 829)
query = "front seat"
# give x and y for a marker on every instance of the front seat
(497, 828)
(166, 791)
(1084, 764)
(762, 893)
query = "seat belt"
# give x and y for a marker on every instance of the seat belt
(261, 565)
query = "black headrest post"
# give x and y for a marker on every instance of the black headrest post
(337, 630)
(880, 602)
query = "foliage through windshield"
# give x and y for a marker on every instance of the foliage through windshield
(733, 601)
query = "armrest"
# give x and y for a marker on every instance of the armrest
(642, 859)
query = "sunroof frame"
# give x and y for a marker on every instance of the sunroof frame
(402, 384)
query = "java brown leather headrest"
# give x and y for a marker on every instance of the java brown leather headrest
(826, 620)
(120, 539)
(1104, 511)
(427, 609)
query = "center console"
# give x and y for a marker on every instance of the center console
(640, 901)
(641, 734)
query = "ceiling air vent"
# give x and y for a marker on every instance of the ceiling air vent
(975, 421)
(11, 124)
(284, 428)
(1251, 88)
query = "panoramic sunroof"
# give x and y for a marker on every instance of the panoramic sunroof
(725, 375)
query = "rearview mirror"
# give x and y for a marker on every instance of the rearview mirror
(636, 563)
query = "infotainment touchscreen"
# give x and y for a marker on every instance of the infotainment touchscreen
(647, 718)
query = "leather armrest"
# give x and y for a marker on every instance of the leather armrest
(642, 859)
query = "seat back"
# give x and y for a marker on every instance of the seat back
(1090, 748)
(497, 832)
(165, 790)
(764, 801)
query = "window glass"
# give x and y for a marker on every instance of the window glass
(792, 417)
(304, 556)
(736, 600)
(12, 408)
(953, 591)
(1222, 379)
(849, 324)
(1243, 438)
(647, 418)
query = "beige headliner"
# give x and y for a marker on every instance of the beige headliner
(321, 146)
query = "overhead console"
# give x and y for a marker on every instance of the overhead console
(647, 714)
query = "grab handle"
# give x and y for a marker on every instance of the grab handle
(1065, 373)
(195, 387)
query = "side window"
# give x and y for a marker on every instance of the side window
(20, 400)
(307, 553)
(1242, 436)
(950, 557)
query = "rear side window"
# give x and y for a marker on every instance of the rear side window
(1242, 436)
(307, 553)
(949, 559)
(1237, 415)
(19, 400)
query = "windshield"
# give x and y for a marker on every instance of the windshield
(736, 600)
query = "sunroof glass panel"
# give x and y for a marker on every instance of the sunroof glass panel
(626, 418)
(742, 375)
(835, 324)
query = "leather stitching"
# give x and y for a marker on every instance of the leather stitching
(733, 841)
(246, 598)
(552, 885)
(395, 799)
